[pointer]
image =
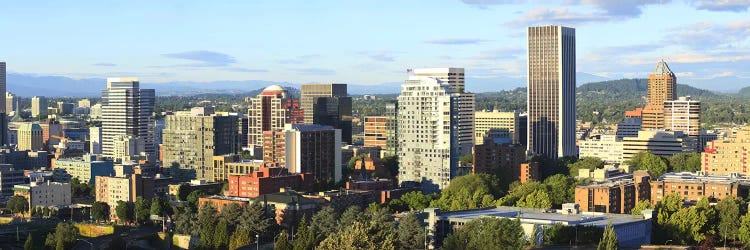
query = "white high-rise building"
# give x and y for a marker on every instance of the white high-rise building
(39, 106)
(551, 91)
(10, 103)
(266, 113)
(95, 140)
(435, 127)
(127, 110)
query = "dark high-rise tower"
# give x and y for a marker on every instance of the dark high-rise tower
(551, 91)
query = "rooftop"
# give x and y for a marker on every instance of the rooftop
(542, 216)
(662, 69)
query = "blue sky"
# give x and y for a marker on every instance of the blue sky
(366, 42)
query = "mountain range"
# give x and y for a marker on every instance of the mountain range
(28, 85)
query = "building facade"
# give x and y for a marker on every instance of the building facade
(629, 127)
(85, 169)
(501, 159)
(391, 128)
(617, 196)
(435, 127)
(274, 148)
(39, 106)
(266, 113)
(328, 104)
(551, 97)
(375, 132)
(683, 114)
(30, 137)
(9, 177)
(727, 155)
(661, 143)
(496, 124)
(127, 110)
(45, 194)
(607, 148)
(692, 187)
(95, 140)
(267, 181)
(190, 143)
(315, 149)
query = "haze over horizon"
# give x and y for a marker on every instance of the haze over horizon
(705, 42)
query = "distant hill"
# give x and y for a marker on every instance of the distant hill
(639, 87)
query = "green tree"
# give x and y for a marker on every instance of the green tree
(221, 235)
(159, 206)
(183, 191)
(100, 211)
(589, 163)
(232, 213)
(207, 220)
(142, 210)
(50, 241)
(416, 200)
(324, 223)
(360, 235)
(350, 215)
(305, 236)
(469, 192)
(519, 191)
(65, 235)
(124, 211)
(743, 234)
(640, 206)
(410, 233)
(561, 189)
(391, 163)
(609, 239)
(466, 159)
(487, 233)
(29, 243)
(282, 242)
(729, 217)
(241, 237)
(17, 204)
(655, 165)
(536, 199)
(255, 219)
(187, 223)
(686, 162)
(192, 198)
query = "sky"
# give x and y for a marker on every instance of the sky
(366, 42)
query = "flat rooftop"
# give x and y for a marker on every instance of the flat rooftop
(541, 216)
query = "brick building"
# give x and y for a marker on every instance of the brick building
(692, 187)
(616, 195)
(266, 181)
(501, 159)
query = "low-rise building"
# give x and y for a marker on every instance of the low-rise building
(629, 127)
(501, 159)
(85, 168)
(227, 165)
(631, 230)
(267, 181)
(287, 206)
(618, 194)
(607, 148)
(194, 185)
(692, 187)
(9, 177)
(727, 155)
(661, 143)
(45, 193)
(111, 189)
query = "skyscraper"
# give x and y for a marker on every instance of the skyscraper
(39, 106)
(435, 127)
(3, 107)
(30, 137)
(662, 87)
(266, 113)
(316, 149)
(391, 128)
(127, 110)
(191, 141)
(10, 103)
(328, 104)
(551, 91)
(683, 114)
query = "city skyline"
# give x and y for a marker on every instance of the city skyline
(171, 42)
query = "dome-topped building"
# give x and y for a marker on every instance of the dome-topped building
(274, 90)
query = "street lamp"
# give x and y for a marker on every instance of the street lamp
(257, 242)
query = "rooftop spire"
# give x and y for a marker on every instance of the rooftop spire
(662, 68)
